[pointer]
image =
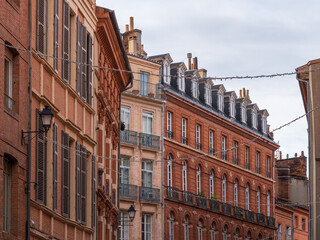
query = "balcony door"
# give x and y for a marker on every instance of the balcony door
(147, 122)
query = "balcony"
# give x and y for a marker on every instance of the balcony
(226, 209)
(238, 212)
(211, 151)
(258, 170)
(149, 140)
(173, 193)
(128, 191)
(247, 165)
(148, 90)
(261, 219)
(215, 205)
(184, 140)
(149, 194)
(250, 216)
(128, 136)
(169, 134)
(187, 198)
(201, 202)
(271, 222)
(198, 146)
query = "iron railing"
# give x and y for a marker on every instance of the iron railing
(187, 197)
(149, 194)
(173, 193)
(201, 202)
(184, 140)
(128, 136)
(149, 140)
(226, 209)
(261, 219)
(214, 205)
(238, 212)
(250, 216)
(271, 222)
(128, 191)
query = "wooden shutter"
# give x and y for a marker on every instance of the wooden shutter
(83, 175)
(84, 63)
(41, 162)
(55, 167)
(89, 69)
(41, 25)
(66, 42)
(78, 183)
(93, 191)
(78, 65)
(65, 174)
(56, 35)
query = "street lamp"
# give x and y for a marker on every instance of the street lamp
(132, 212)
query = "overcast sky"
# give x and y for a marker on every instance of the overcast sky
(235, 38)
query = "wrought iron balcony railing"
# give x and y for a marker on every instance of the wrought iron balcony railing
(214, 205)
(226, 209)
(261, 219)
(128, 191)
(198, 145)
(169, 134)
(201, 202)
(271, 222)
(187, 197)
(128, 136)
(149, 140)
(173, 193)
(238, 212)
(211, 151)
(258, 170)
(149, 194)
(250, 216)
(184, 140)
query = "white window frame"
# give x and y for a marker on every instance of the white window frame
(264, 124)
(124, 169)
(171, 226)
(146, 220)
(254, 119)
(8, 82)
(220, 101)
(198, 134)
(236, 192)
(258, 200)
(166, 72)
(247, 197)
(246, 156)
(198, 179)
(144, 83)
(184, 176)
(288, 233)
(186, 228)
(223, 147)
(243, 113)
(224, 189)
(181, 81)
(268, 203)
(194, 89)
(169, 121)
(211, 148)
(169, 168)
(184, 128)
(125, 116)
(146, 172)
(124, 227)
(146, 117)
(208, 95)
(211, 184)
(231, 107)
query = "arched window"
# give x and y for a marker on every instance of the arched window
(247, 196)
(236, 192)
(237, 234)
(259, 236)
(225, 232)
(224, 188)
(248, 235)
(200, 230)
(198, 179)
(258, 200)
(268, 203)
(213, 231)
(211, 184)
(171, 226)
(169, 167)
(186, 228)
(184, 176)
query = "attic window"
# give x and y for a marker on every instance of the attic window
(166, 72)
(231, 106)
(208, 95)
(180, 80)
(220, 102)
(194, 89)
(264, 124)
(243, 113)
(254, 119)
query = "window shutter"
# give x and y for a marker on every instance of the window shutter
(83, 173)
(41, 162)
(84, 63)
(55, 166)
(41, 26)
(66, 42)
(65, 175)
(79, 28)
(89, 69)
(93, 191)
(78, 184)
(56, 35)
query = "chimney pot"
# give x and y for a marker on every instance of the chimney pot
(302, 153)
(240, 93)
(131, 23)
(247, 93)
(287, 156)
(127, 28)
(189, 55)
(244, 92)
(280, 155)
(295, 154)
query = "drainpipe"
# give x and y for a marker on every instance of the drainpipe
(274, 191)
(162, 171)
(29, 124)
(292, 229)
(309, 163)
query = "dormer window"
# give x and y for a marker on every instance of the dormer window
(220, 102)
(208, 95)
(232, 107)
(194, 89)
(181, 80)
(243, 114)
(264, 124)
(254, 119)
(166, 73)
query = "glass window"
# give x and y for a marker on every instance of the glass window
(124, 227)
(144, 83)
(220, 102)
(198, 179)
(223, 148)
(258, 162)
(181, 80)
(303, 224)
(211, 184)
(147, 122)
(246, 158)
(279, 232)
(248, 235)
(243, 113)
(194, 89)
(211, 142)
(288, 233)
(254, 119)
(169, 124)
(171, 226)
(186, 228)
(125, 170)
(225, 232)
(232, 109)
(6, 195)
(200, 230)
(236, 192)
(147, 170)
(268, 166)
(198, 136)
(125, 116)
(184, 131)
(235, 152)
(258, 200)
(247, 197)
(166, 72)
(224, 189)
(208, 95)
(237, 234)
(213, 231)
(169, 170)
(184, 176)
(146, 227)
(268, 204)
(8, 83)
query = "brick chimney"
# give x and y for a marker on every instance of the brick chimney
(203, 73)
(132, 39)
(189, 55)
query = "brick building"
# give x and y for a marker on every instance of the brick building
(219, 183)
(141, 145)
(291, 211)
(13, 118)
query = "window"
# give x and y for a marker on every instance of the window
(279, 232)
(268, 166)
(232, 108)
(208, 95)
(194, 89)
(186, 228)
(225, 232)
(211, 184)
(236, 192)
(213, 231)
(247, 194)
(81, 182)
(125, 116)
(211, 147)
(223, 148)
(198, 179)
(181, 80)
(248, 235)
(296, 222)
(258, 200)
(184, 176)
(55, 167)
(198, 137)
(66, 43)
(224, 189)
(124, 227)
(42, 26)
(6, 195)
(169, 125)
(171, 226)
(124, 170)
(144, 83)
(303, 224)
(8, 94)
(237, 234)
(166, 72)
(220, 102)
(254, 119)
(146, 227)
(288, 233)
(235, 152)
(84, 57)
(56, 36)
(268, 204)
(243, 113)
(147, 170)
(258, 162)
(169, 167)
(264, 124)
(184, 131)
(246, 158)
(200, 230)
(147, 122)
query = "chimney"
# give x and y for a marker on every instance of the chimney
(189, 55)
(295, 155)
(302, 153)
(127, 28)
(240, 93)
(248, 93)
(287, 156)
(195, 63)
(132, 45)
(203, 73)
(131, 24)
(142, 51)
(280, 155)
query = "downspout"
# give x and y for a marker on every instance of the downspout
(162, 171)
(309, 163)
(274, 191)
(29, 124)
(292, 229)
